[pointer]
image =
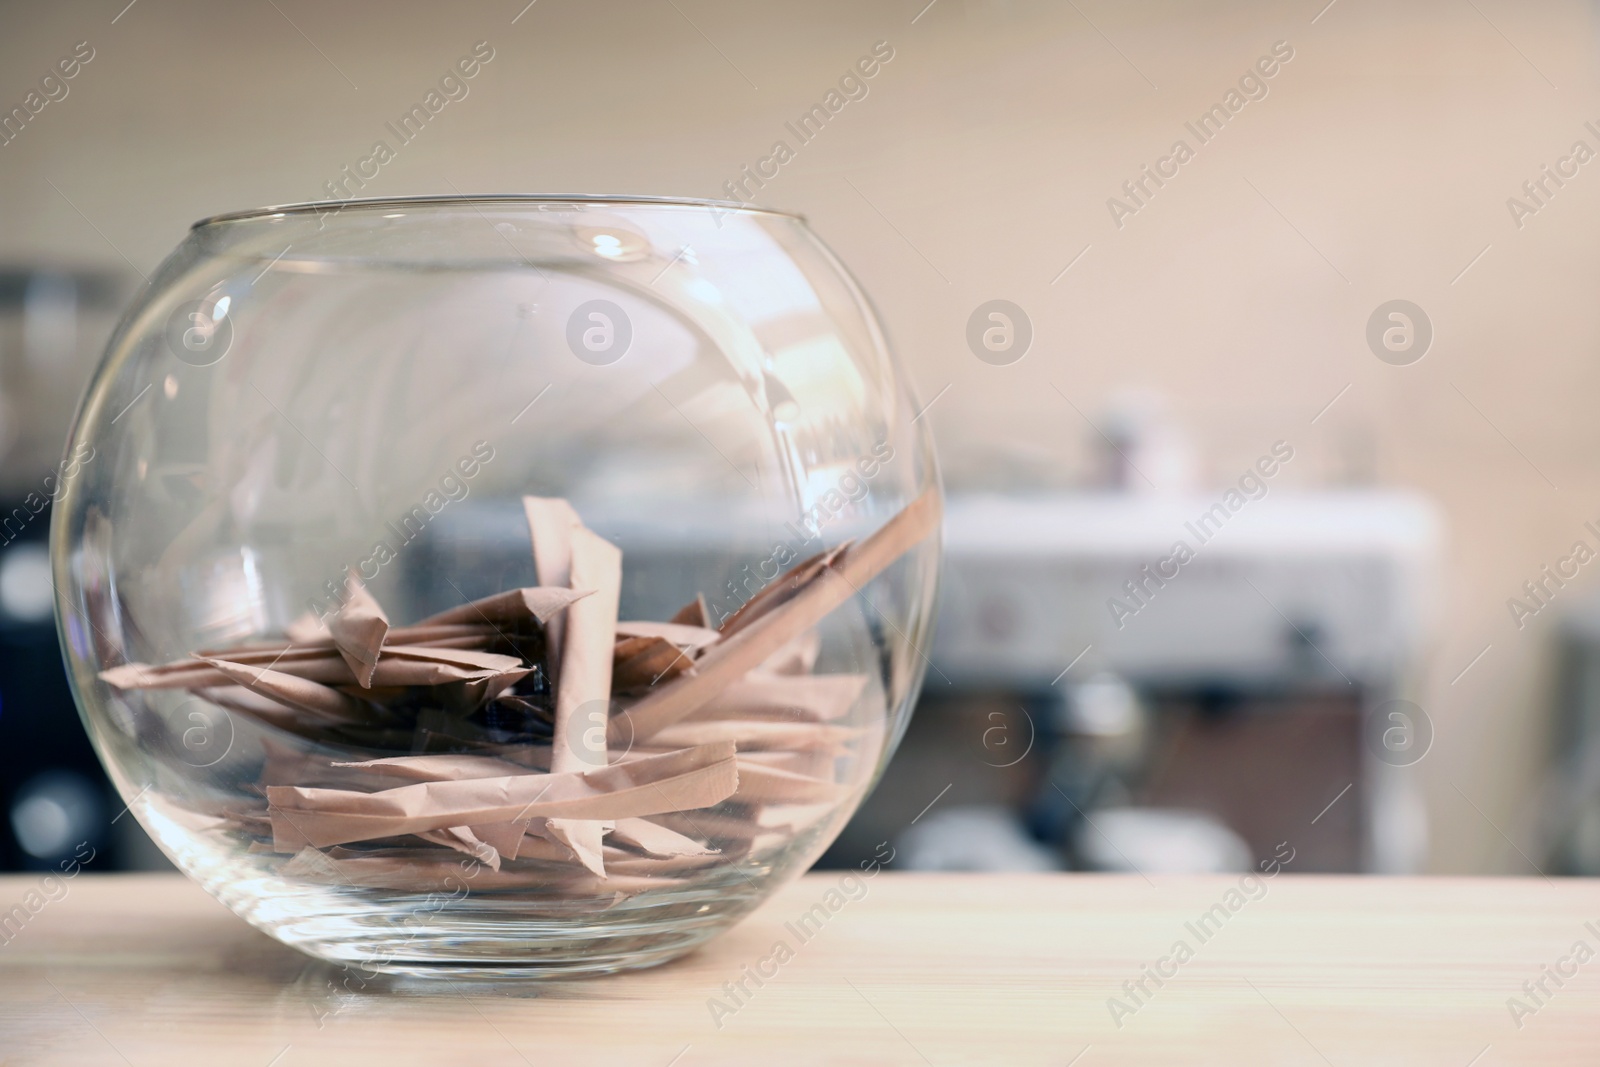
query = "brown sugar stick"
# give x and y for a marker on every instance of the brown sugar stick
(266, 710)
(656, 840)
(695, 613)
(795, 657)
(626, 863)
(784, 698)
(504, 837)
(306, 629)
(760, 784)
(193, 671)
(782, 589)
(441, 768)
(469, 659)
(649, 653)
(551, 521)
(394, 670)
(401, 665)
(814, 763)
(693, 638)
(758, 736)
(358, 629)
(672, 782)
(188, 675)
(468, 634)
(583, 686)
(408, 672)
(462, 839)
(535, 846)
(641, 662)
(314, 697)
(733, 657)
(541, 603)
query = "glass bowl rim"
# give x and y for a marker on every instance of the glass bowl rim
(492, 199)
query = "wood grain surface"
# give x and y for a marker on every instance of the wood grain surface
(910, 969)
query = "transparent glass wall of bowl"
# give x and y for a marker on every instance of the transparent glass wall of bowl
(297, 395)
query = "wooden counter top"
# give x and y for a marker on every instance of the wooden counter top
(922, 969)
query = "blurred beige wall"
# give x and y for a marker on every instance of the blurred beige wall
(978, 166)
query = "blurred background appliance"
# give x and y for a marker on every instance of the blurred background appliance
(53, 324)
(1223, 719)
(1568, 813)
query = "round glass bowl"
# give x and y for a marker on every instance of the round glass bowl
(508, 585)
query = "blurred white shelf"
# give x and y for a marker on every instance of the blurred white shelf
(1329, 586)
